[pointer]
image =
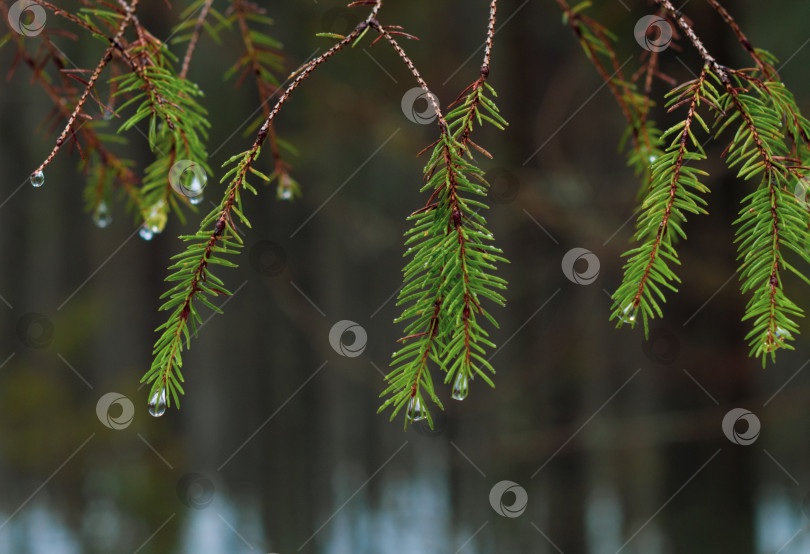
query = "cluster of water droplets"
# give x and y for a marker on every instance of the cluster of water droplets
(155, 221)
(157, 403)
(102, 217)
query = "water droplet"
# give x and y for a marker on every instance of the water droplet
(627, 315)
(102, 216)
(461, 386)
(194, 191)
(145, 233)
(652, 159)
(415, 412)
(38, 179)
(286, 187)
(108, 114)
(782, 333)
(157, 404)
(155, 220)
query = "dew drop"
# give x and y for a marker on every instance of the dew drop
(286, 194)
(196, 199)
(102, 216)
(38, 179)
(108, 114)
(782, 333)
(157, 404)
(461, 387)
(145, 233)
(627, 315)
(415, 412)
(652, 159)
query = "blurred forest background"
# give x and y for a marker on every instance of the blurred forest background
(616, 441)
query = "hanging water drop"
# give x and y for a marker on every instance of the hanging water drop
(157, 404)
(415, 412)
(286, 187)
(155, 221)
(145, 233)
(627, 315)
(461, 386)
(194, 192)
(781, 333)
(652, 159)
(102, 216)
(38, 179)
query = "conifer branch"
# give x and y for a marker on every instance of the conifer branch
(260, 60)
(129, 14)
(771, 219)
(452, 263)
(674, 188)
(195, 36)
(196, 283)
(596, 40)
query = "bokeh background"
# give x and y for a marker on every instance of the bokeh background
(617, 441)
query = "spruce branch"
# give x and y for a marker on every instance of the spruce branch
(596, 41)
(106, 169)
(674, 191)
(261, 59)
(771, 220)
(195, 282)
(452, 261)
(204, 7)
(126, 21)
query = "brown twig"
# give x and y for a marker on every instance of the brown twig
(195, 36)
(105, 59)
